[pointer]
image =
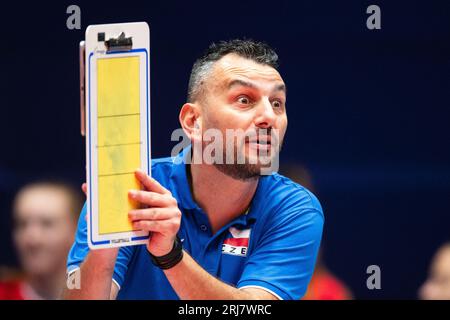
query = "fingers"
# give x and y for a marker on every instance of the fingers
(162, 215)
(152, 199)
(168, 226)
(150, 183)
(153, 214)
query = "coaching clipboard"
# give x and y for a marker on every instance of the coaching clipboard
(117, 128)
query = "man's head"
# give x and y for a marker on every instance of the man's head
(45, 215)
(437, 286)
(236, 85)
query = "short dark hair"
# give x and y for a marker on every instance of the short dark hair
(257, 51)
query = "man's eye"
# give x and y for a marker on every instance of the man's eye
(244, 100)
(276, 104)
(47, 223)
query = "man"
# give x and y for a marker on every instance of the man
(218, 231)
(45, 218)
(437, 286)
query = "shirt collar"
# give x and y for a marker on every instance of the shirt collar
(181, 186)
(179, 178)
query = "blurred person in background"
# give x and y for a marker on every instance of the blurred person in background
(324, 285)
(45, 217)
(437, 286)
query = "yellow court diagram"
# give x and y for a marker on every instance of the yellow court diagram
(118, 140)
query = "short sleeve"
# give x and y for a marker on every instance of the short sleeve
(80, 249)
(283, 260)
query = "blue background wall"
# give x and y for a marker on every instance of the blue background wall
(368, 112)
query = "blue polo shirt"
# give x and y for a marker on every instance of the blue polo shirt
(272, 246)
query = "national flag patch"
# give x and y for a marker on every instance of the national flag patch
(238, 243)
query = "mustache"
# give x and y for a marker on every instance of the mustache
(239, 137)
(268, 135)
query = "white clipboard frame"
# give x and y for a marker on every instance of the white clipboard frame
(94, 50)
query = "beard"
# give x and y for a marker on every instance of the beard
(243, 172)
(248, 170)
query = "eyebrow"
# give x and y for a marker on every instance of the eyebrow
(239, 82)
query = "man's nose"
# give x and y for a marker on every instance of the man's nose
(265, 117)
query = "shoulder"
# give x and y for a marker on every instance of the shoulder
(162, 168)
(291, 194)
(162, 163)
(286, 197)
(287, 215)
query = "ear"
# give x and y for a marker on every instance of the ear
(190, 120)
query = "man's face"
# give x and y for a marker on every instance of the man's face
(44, 229)
(437, 286)
(242, 94)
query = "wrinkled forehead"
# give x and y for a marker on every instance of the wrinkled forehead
(232, 67)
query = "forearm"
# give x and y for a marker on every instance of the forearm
(95, 276)
(191, 282)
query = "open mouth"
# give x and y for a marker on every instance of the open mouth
(261, 142)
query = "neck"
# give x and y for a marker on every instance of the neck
(220, 196)
(48, 287)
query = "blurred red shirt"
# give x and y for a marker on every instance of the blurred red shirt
(325, 286)
(11, 290)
